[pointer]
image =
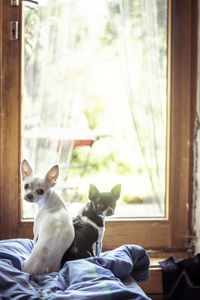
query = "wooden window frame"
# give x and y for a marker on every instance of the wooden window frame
(173, 231)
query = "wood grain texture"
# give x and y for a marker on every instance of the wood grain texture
(181, 120)
(154, 284)
(148, 234)
(10, 123)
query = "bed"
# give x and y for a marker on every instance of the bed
(113, 275)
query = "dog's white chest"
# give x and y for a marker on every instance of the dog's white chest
(43, 216)
(99, 241)
(101, 233)
(36, 228)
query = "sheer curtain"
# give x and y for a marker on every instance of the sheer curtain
(141, 45)
(51, 113)
(99, 66)
(51, 96)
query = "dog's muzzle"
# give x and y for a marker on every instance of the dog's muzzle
(29, 197)
(109, 211)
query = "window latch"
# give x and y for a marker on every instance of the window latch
(14, 2)
(14, 30)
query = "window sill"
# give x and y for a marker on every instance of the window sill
(153, 287)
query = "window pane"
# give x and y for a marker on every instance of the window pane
(94, 99)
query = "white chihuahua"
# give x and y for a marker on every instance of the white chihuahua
(53, 227)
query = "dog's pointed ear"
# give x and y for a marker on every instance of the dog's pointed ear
(93, 192)
(116, 191)
(52, 175)
(25, 169)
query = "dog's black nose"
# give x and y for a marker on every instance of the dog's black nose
(29, 196)
(109, 211)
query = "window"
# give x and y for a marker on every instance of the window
(170, 231)
(97, 68)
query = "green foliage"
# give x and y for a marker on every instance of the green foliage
(132, 199)
(114, 7)
(86, 64)
(93, 110)
(109, 35)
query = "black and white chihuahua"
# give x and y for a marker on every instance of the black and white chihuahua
(89, 224)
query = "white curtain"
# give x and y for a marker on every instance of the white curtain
(142, 53)
(99, 65)
(51, 96)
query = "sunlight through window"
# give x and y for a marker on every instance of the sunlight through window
(94, 99)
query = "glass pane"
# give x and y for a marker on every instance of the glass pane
(94, 99)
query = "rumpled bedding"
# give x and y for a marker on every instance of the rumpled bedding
(95, 278)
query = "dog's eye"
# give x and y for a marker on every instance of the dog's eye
(40, 192)
(26, 186)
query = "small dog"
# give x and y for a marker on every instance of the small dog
(89, 224)
(53, 227)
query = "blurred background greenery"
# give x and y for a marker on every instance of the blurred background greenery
(99, 67)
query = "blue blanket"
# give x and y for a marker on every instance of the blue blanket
(95, 278)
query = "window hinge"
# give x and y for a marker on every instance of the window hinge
(14, 2)
(14, 30)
